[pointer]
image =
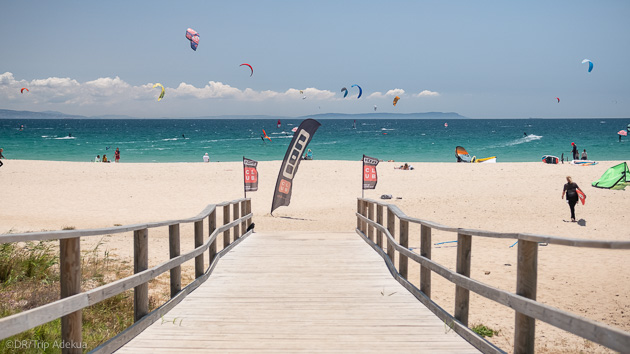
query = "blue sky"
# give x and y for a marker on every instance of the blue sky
(482, 59)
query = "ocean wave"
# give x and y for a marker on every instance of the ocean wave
(387, 129)
(65, 138)
(523, 140)
(171, 139)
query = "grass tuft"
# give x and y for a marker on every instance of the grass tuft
(484, 331)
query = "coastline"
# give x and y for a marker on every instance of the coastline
(503, 197)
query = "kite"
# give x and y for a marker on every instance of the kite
(250, 67)
(265, 136)
(162, 93)
(304, 97)
(374, 108)
(345, 90)
(193, 37)
(360, 91)
(24, 88)
(590, 64)
(396, 100)
(558, 98)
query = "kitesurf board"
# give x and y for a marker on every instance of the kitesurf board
(584, 162)
(462, 155)
(550, 159)
(492, 159)
(581, 196)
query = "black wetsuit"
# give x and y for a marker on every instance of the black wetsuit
(572, 197)
(576, 154)
(1, 157)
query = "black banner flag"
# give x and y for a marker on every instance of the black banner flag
(250, 175)
(369, 172)
(289, 167)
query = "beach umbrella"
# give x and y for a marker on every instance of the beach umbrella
(622, 132)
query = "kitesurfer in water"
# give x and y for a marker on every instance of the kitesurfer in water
(524, 133)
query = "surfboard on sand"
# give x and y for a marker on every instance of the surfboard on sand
(581, 196)
(550, 159)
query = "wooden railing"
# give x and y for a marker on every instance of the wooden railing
(73, 300)
(370, 225)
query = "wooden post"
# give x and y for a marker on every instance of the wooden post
(243, 213)
(236, 216)
(526, 281)
(391, 227)
(425, 251)
(198, 242)
(212, 225)
(70, 278)
(226, 220)
(403, 260)
(174, 251)
(140, 263)
(462, 295)
(249, 211)
(379, 220)
(365, 213)
(370, 212)
(359, 211)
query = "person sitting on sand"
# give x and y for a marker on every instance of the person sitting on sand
(97, 158)
(105, 158)
(584, 155)
(206, 158)
(402, 167)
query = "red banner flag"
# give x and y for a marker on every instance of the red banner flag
(369, 172)
(250, 175)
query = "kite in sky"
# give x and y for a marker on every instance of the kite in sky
(360, 91)
(162, 93)
(590, 64)
(24, 88)
(396, 100)
(193, 37)
(558, 98)
(250, 68)
(345, 92)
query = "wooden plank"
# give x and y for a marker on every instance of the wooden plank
(243, 213)
(199, 268)
(249, 211)
(174, 251)
(379, 220)
(359, 203)
(226, 220)
(404, 242)
(425, 251)
(70, 284)
(235, 216)
(526, 281)
(462, 295)
(370, 215)
(140, 263)
(391, 228)
(212, 225)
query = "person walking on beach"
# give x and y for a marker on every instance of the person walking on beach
(571, 188)
(584, 155)
(1, 157)
(117, 156)
(576, 154)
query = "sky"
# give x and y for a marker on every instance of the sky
(481, 59)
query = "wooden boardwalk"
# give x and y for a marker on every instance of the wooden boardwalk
(309, 292)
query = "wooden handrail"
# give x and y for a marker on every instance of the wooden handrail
(524, 303)
(73, 303)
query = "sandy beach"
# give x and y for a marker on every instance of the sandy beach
(508, 197)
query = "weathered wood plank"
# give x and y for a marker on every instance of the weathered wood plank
(70, 279)
(174, 251)
(235, 216)
(140, 263)
(462, 295)
(199, 268)
(526, 281)
(226, 220)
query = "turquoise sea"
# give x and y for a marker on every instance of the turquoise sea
(187, 140)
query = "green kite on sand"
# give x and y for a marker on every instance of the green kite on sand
(614, 176)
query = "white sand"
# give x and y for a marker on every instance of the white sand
(509, 197)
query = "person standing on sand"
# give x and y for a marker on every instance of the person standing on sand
(1, 157)
(117, 156)
(571, 189)
(576, 153)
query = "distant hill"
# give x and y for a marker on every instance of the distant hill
(379, 115)
(10, 114)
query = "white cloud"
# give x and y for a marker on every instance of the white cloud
(427, 93)
(390, 93)
(112, 91)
